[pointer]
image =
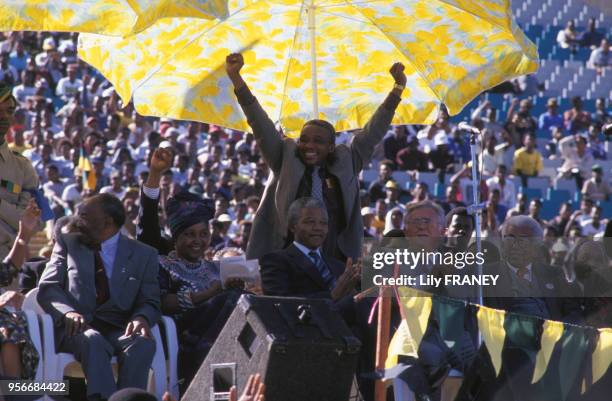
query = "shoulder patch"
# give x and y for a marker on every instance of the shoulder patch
(19, 154)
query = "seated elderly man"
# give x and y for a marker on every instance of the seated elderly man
(102, 291)
(526, 287)
(302, 269)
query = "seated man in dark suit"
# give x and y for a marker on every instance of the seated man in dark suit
(301, 269)
(102, 292)
(526, 286)
(529, 288)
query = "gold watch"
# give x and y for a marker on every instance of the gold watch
(398, 86)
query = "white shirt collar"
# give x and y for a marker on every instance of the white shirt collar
(110, 243)
(515, 270)
(305, 250)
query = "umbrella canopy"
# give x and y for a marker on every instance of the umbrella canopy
(452, 50)
(107, 17)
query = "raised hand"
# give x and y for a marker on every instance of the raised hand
(347, 280)
(233, 64)
(29, 221)
(397, 72)
(254, 390)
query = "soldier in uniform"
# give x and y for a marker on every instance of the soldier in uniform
(17, 176)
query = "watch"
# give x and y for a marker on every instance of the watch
(398, 86)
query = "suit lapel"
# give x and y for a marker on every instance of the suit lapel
(335, 267)
(121, 268)
(340, 171)
(305, 264)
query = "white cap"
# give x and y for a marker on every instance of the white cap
(165, 144)
(66, 45)
(367, 210)
(49, 44)
(224, 218)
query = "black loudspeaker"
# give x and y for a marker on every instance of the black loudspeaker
(301, 347)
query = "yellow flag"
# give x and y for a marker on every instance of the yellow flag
(602, 354)
(402, 343)
(416, 308)
(551, 334)
(491, 325)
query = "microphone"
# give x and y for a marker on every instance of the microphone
(463, 126)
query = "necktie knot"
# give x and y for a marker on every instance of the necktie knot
(522, 272)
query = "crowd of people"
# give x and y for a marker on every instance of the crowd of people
(142, 209)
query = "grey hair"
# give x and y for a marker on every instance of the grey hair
(303, 203)
(426, 204)
(521, 219)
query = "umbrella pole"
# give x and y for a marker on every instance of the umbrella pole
(313, 58)
(476, 210)
(382, 342)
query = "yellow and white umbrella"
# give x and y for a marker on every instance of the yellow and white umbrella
(452, 50)
(107, 17)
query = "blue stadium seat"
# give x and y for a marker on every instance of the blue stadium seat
(558, 195)
(439, 191)
(549, 209)
(567, 184)
(582, 54)
(540, 183)
(531, 193)
(606, 209)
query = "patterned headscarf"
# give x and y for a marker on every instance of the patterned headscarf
(186, 209)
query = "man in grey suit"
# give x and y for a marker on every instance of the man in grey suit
(312, 167)
(102, 291)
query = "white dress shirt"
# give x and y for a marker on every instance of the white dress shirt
(305, 250)
(108, 252)
(527, 275)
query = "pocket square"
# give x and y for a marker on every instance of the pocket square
(132, 278)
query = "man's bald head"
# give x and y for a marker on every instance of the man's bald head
(521, 239)
(524, 224)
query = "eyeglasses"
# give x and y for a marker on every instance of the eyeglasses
(419, 221)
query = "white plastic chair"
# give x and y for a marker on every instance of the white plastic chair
(34, 331)
(58, 364)
(172, 354)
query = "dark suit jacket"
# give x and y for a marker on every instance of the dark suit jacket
(289, 272)
(559, 296)
(68, 284)
(269, 232)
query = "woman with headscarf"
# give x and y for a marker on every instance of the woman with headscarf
(191, 289)
(394, 220)
(18, 357)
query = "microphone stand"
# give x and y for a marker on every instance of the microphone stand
(476, 210)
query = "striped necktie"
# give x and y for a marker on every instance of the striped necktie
(326, 275)
(317, 185)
